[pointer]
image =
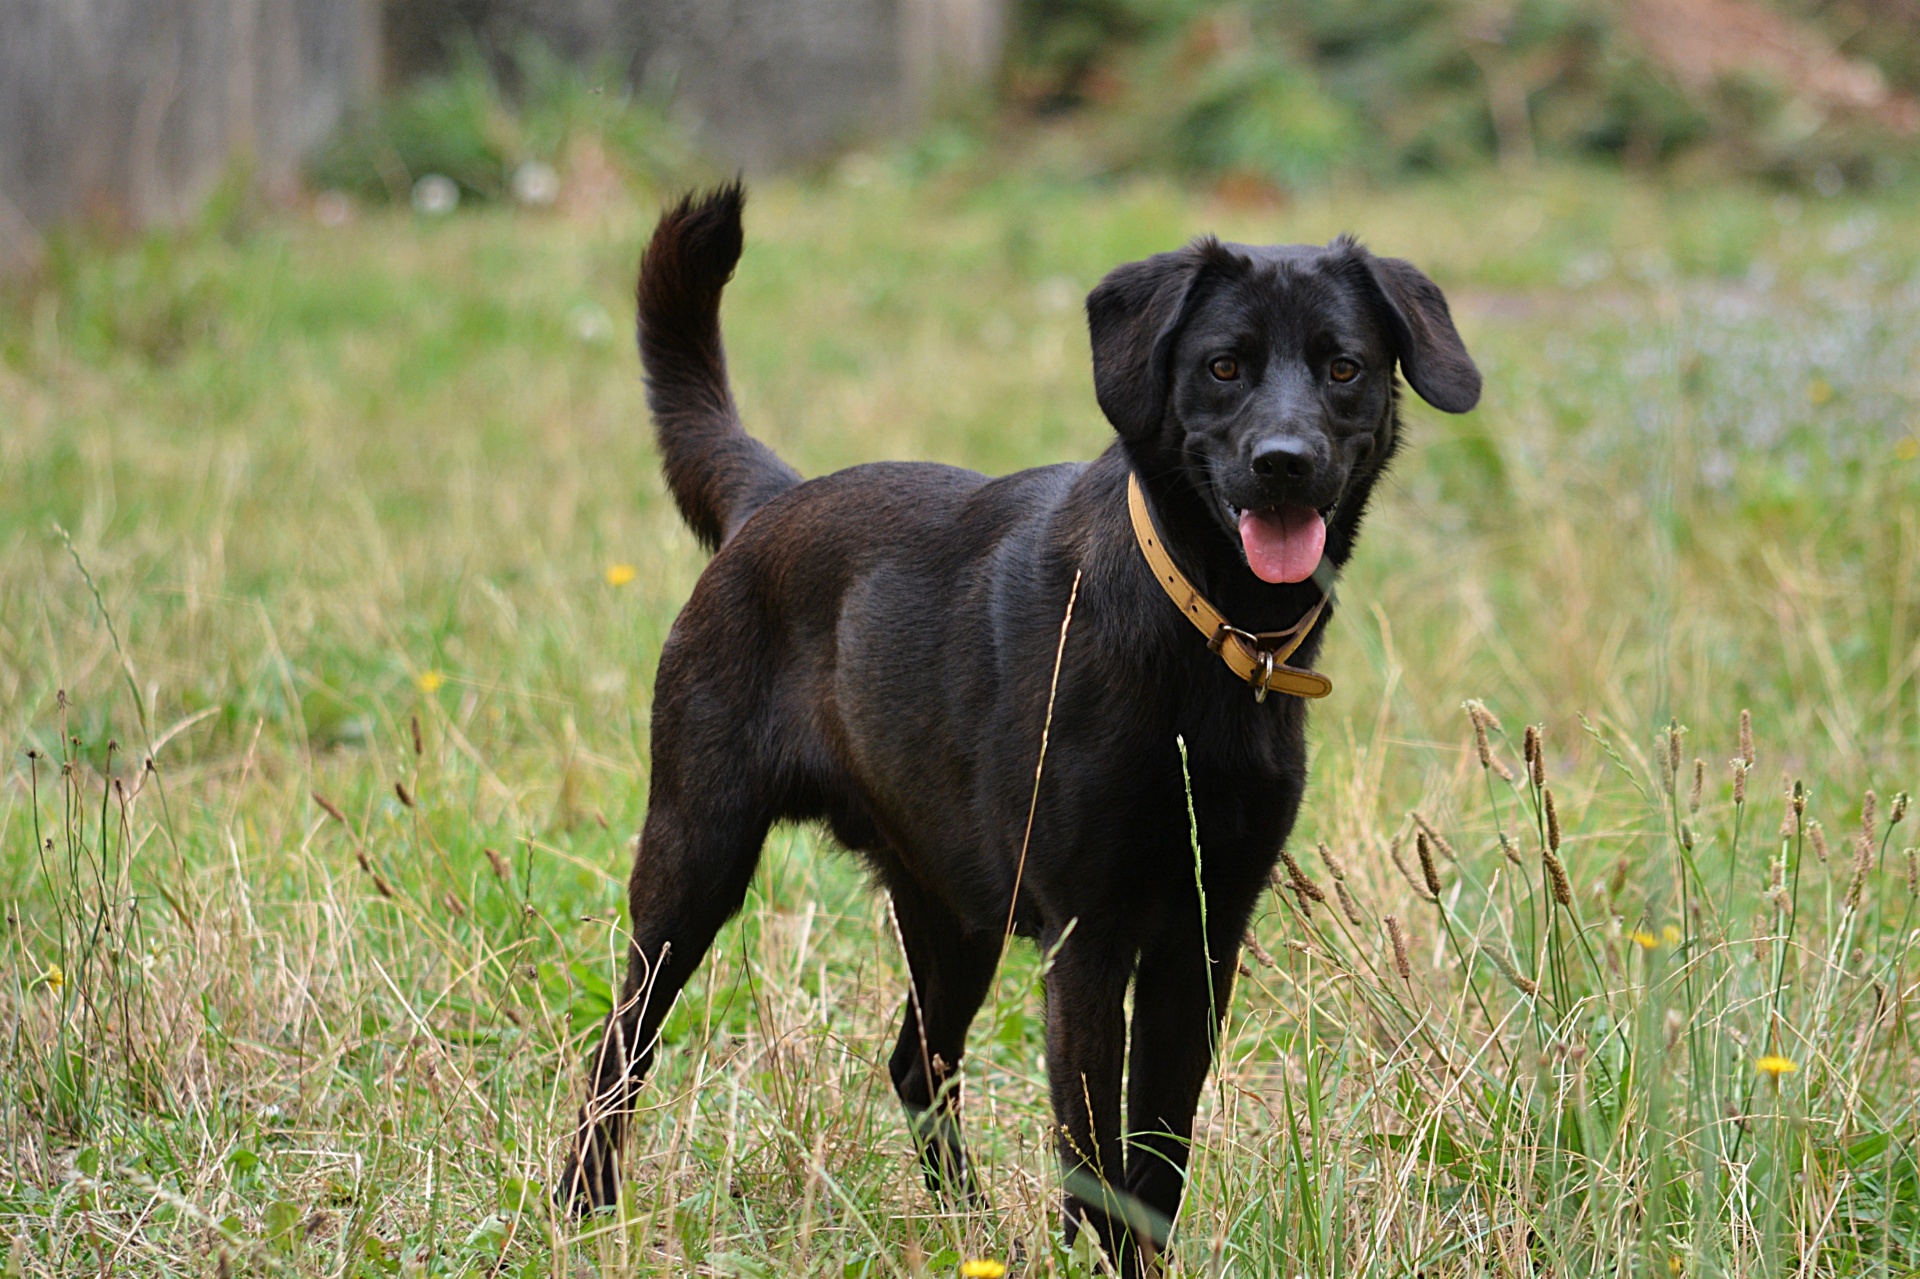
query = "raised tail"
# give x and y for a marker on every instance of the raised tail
(719, 475)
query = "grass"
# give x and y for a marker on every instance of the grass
(356, 532)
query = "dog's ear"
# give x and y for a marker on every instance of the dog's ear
(1427, 345)
(1133, 317)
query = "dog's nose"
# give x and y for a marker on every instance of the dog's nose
(1281, 457)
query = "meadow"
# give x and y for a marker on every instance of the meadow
(335, 561)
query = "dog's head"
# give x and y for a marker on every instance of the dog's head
(1263, 378)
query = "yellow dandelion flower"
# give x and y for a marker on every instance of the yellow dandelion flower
(1907, 448)
(982, 1268)
(1819, 391)
(429, 681)
(55, 977)
(1672, 933)
(620, 574)
(1645, 939)
(1774, 1066)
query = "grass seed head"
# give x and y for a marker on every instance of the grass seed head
(1258, 951)
(1508, 847)
(1428, 874)
(1553, 821)
(1617, 881)
(1746, 738)
(1348, 906)
(1557, 876)
(1483, 721)
(1913, 872)
(1535, 756)
(1673, 752)
(1504, 966)
(328, 807)
(419, 746)
(1333, 864)
(1818, 834)
(1868, 805)
(400, 789)
(1398, 851)
(1302, 885)
(1699, 785)
(501, 871)
(1440, 843)
(1740, 781)
(1898, 813)
(1862, 866)
(1400, 964)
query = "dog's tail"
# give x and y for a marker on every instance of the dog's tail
(718, 473)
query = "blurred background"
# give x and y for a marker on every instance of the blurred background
(125, 113)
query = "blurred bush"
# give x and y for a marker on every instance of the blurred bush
(1284, 94)
(479, 128)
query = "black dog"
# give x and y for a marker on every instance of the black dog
(877, 649)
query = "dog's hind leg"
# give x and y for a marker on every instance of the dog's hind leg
(950, 971)
(691, 869)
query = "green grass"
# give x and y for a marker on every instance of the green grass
(350, 497)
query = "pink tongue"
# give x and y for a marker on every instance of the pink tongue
(1283, 545)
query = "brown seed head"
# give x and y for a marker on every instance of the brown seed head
(419, 747)
(1898, 813)
(1428, 874)
(1504, 966)
(1302, 886)
(328, 807)
(1746, 738)
(1331, 862)
(1862, 865)
(1557, 876)
(1348, 905)
(1536, 756)
(1618, 880)
(1258, 951)
(1867, 815)
(1553, 821)
(1478, 714)
(1739, 781)
(1507, 847)
(400, 789)
(1398, 851)
(501, 871)
(1440, 843)
(1673, 752)
(1400, 964)
(1818, 834)
(1913, 872)
(1699, 785)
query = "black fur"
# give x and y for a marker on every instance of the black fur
(874, 649)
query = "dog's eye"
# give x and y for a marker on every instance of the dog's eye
(1226, 368)
(1343, 370)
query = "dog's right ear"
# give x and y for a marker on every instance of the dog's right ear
(1134, 317)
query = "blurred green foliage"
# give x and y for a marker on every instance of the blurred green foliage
(472, 126)
(1288, 93)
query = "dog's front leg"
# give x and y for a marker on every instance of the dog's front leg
(1086, 1045)
(1176, 1022)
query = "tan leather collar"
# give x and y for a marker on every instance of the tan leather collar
(1260, 659)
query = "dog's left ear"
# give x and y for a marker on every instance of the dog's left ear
(1427, 345)
(1134, 317)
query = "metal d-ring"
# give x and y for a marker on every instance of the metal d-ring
(1260, 677)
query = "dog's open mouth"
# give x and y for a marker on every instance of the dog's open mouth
(1283, 543)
